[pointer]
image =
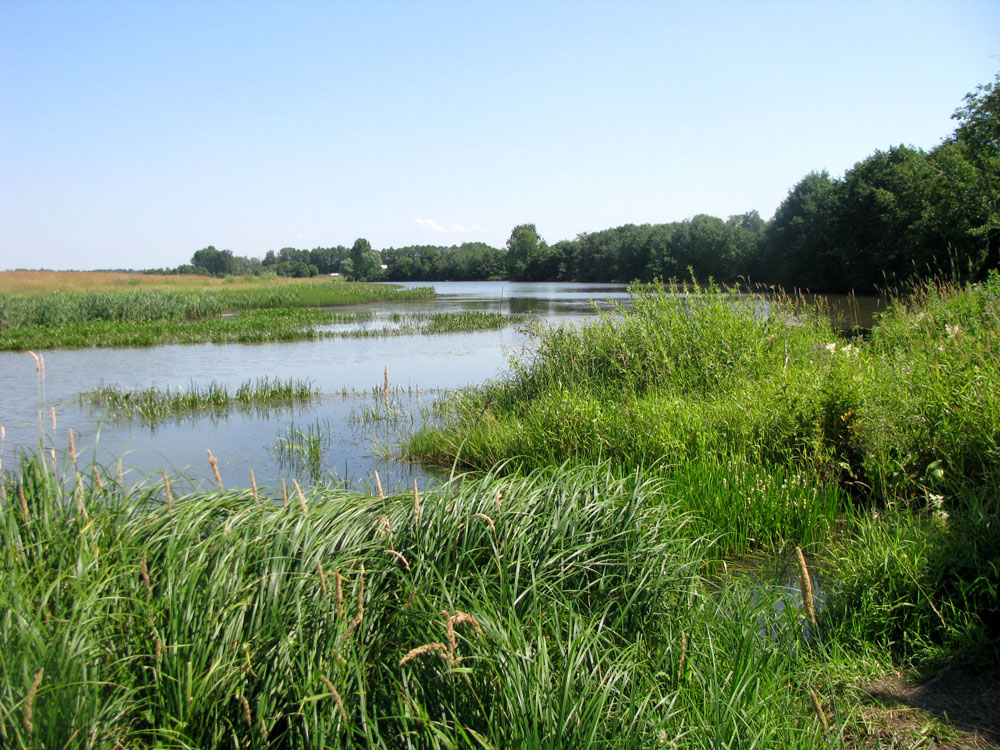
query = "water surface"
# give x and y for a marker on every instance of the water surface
(347, 370)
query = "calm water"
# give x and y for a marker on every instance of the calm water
(418, 365)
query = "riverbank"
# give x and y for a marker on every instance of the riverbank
(146, 314)
(510, 609)
(881, 455)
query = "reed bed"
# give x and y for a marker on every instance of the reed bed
(495, 612)
(428, 324)
(144, 317)
(688, 374)
(771, 428)
(154, 404)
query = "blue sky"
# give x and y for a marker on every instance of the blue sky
(135, 133)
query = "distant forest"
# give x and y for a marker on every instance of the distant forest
(895, 216)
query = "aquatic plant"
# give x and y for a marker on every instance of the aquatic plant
(154, 404)
(144, 317)
(301, 450)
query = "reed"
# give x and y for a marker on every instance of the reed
(301, 449)
(153, 404)
(146, 317)
(212, 625)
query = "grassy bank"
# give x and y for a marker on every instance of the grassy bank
(501, 612)
(621, 571)
(883, 453)
(144, 316)
(688, 375)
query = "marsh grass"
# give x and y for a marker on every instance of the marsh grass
(769, 428)
(302, 449)
(708, 374)
(144, 317)
(429, 324)
(218, 621)
(153, 404)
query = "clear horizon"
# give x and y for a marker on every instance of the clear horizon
(138, 134)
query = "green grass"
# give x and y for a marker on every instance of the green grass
(496, 612)
(249, 326)
(301, 449)
(426, 324)
(153, 404)
(879, 454)
(587, 587)
(686, 375)
(277, 312)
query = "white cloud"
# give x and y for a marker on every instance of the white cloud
(435, 227)
(431, 224)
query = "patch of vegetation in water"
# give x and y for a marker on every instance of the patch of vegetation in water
(153, 404)
(147, 317)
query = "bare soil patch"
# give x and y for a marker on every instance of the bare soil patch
(957, 708)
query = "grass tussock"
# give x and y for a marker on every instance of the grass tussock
(506, 612)
(772, 428)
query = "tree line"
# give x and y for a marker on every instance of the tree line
(896, 215)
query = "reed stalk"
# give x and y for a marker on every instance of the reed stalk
(805, 585)
(29, 702)
(215, 468)
(253, 487)
(302, 498)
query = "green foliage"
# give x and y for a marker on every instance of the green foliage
(365, 262)
(153, 405)
(506, 613)
(524, 247)
(687, 376)
(924, 586)
(268, 312)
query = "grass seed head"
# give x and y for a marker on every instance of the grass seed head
(336, 696)
(215, 468)
(399, 557)
(29, 702)
(805, 584)
(302, 498)
(426, 648)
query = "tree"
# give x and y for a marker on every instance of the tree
(366, 263)
(979, 120)
(522, 247)
(801, 240)
(218, 262)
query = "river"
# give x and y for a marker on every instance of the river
(346, 370)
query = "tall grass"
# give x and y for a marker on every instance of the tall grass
(498, 612)
(769, 427)
(146, 316)
(687, 374)
(153, 404)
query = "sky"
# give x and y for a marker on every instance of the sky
(135, 133)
